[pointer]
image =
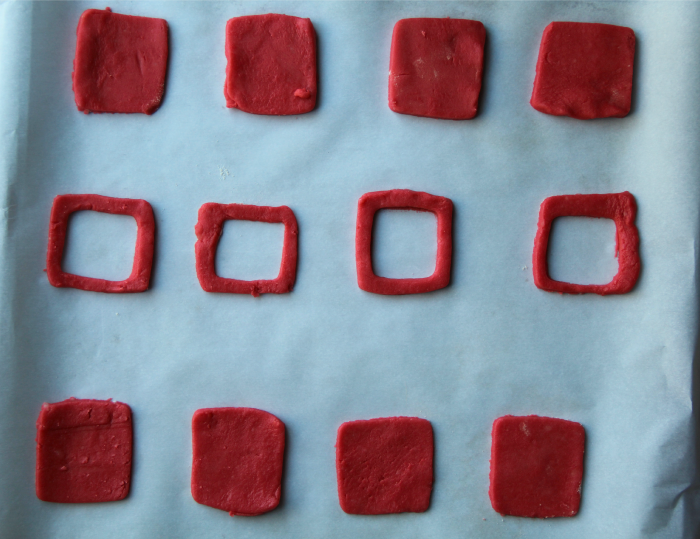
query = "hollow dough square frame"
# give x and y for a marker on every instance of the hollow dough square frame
(65, 205)
(402, 199)
(209, 229)
(621, 208)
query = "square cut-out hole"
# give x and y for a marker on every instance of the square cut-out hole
(404, 244)
(83, 451)
(120, 62)
(237, 460)
(271, 64)
(250, 250)
(436, 67)
(100, 245)
(582, 250)
(385, 465)
(584, 70)
(536, 466)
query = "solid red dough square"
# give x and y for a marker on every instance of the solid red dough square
(271, 64)
(65, 205)
(385, 465)
(436, 67)
(621, 208)
(237, 460)
(209, 229)
(402, 199)
(120, 62)
(584, 70)
(536, 466)
(83, 451)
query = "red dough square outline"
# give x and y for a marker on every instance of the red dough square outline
(83, 451)
(288, 73)
(436, 67)
(65, 205)
(135, 83)
(621, 208)
(584, 70)
(402, 199)
(536, 466)
(385, 465)
(209, 229)
(237, 460)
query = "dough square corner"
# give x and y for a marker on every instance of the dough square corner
(272, 67)
(436, 67)
(237, 460)
(209, 229)
(84, 451)
(120, 62)
(385, 465)
(536, 466)
(64, 206)
(585, 70)
(620, 208)
(402, 199)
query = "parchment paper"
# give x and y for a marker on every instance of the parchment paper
(488, 345)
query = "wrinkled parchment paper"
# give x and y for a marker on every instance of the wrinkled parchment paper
(488, 345)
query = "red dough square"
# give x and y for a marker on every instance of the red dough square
(83, 451)
(271, 64)
(237, 460)
(402, 199)
(65, 205)
(385, 465)
(584, 70)
(621, 208)
(120, 62)
(436, 67)
(536, 466)
(209, 229)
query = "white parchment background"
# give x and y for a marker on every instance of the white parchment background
(490, 344)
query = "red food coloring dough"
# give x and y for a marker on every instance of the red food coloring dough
(83, 451)
(536, 466)
(385, 465)
(271, 65)
(402, 199)
(621, 208)
(584, 70)
(120, 62)
(436, 67)
(140, 210)
(237, 460)
(209, 229)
